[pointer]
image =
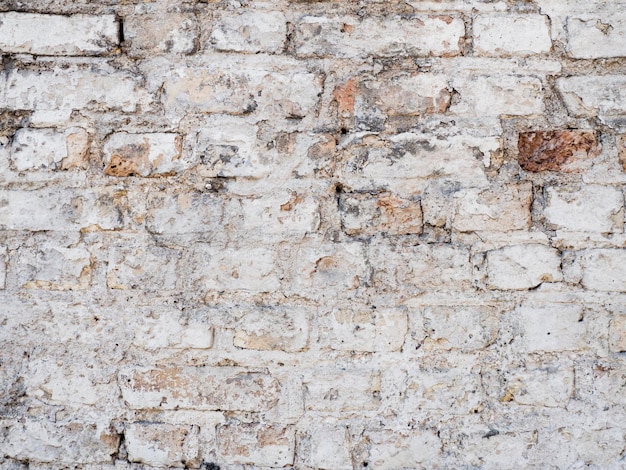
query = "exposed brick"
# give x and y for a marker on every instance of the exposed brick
(273, 328)
(65, 35)
(523, 267)
(256, 444)
(162, 445)
(617, 334)
(590, 208)
(159, 33)
(198, 388)
(143, 154)
(556, 327)
(35, 149)
(593, 38)
(369, 214)
(249, 31)
(553, 150)
(350, 36)
(604, 269)
(512, 34)
(621, 150)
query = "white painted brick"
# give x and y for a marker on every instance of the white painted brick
(183, 212)
(273, 328)
(594, 38)
(593, 95)
(512, 34)
(350, 36)
(361, 328)
(501, 208)
(503, 450)
(523, 267)
(64, 35)
(334, 390)
(161, 328)
(159, 33)
(172, 388)
(590, 208)
(53, 209)
(249, 31)
(556, 327)
(491, 95)
(604, 269)
(540, 384)
(162, 444)
(143, 154)
(466, 328)
(143, 267)
(34, 149)
(55, 268)
(617, 334)
(389, 450)
(329, 448)
(4, 256)
(256, 444)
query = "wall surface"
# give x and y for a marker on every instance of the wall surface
(312, 234)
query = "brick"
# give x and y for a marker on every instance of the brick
(621, 150)
(607, 382)
(501, 450)
(183, 212)
(467, 328)
(512, 34)
(590, 208)
(249, 31)
(273, 328)
(594, 95)
(539, 383)
(617, 334)
(261, 445)
(143, 267)
(500, 208)
(43, 441)
(485, 95)
(523, 267)
(350, 36)
(49, 149)
(198, 388)
(73, 88)
(362, 328)
(62, 210)
(389, 450)
(369, 214)
(553, 327)
(53, 267)
(155, 33)
(341, 390)
(555, 150)
(162, 444)
(595, 38)
(161, 328)
(65, 35)
(329, 447)
(604, 269)
(4, 256)
(143, 154)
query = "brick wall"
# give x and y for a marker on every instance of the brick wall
(312, 234)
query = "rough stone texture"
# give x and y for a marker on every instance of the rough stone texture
(312, 234)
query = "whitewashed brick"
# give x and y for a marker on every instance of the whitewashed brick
(55, 268)
(593, 95)
(350, 36)
(249, 31)
(162, 444)
(159, 33)
(198, 388)
(273, 328)
(170, 329)
(599, 37)
(512, 34)
(362, 328)
(466, 328)
(64, 35)
(34, 149)
(341, 390)
(540, 384)
(143, 154)
(586, 209)
(329, 447)
(4, 256)
(389, 450)
(604, 269)
(183, 212)
(501, 208)
(523, 267)
(556, 327)
(499, 451)
(148, 268)
(490, 95)
(53, 209)
(617, 334)
(256, 444)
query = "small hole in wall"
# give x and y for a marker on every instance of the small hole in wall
(365, 464)
(344, 131)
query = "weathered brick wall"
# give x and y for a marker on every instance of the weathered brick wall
(335, 234)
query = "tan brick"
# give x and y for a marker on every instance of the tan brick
(162, 444)
(256, 444)
(512, 34)
(273, 328)
(49, 149)
(199, 388)
(621, 150)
